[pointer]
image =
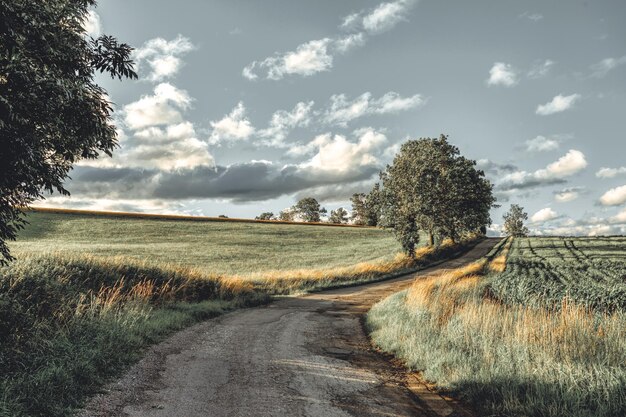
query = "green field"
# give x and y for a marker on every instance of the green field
(543, 271)
(546, 337)
(231, 248)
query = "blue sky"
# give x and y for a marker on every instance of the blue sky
(246, 106)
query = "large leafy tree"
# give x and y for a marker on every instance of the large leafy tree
(430, 188)
(309, 209)
(514, 221)
(52, 113)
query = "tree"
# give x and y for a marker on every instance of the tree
(514, 221)
(431, 188)
(339, 216)
(359, 210)
(268, 215)
(222, 216)
(52, 113)
(309, 209)
(286, 215)
(366, 207)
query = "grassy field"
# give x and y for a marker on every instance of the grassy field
(231, 248)
(88, 293)
(540, 333)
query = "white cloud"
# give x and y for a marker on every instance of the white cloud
(342, 110)
(162, 57)
(283, 122)
(502, 74)
(614, 197)
(234, 126)
(542, 144)
(153, 206)
(316, 56)
(392, 102)
(308, 59)
(535, 17)
(349, 42)
(92, 24)
(619, 217)
(336, 154)
(153, 134)
(569, 164)
(386, 15)
(162, 108)
(351, 21)
(568, 194)
(610, 172)
(558, 104)
(540, 69)
(248, 72)
(173, 147)
(544, 215)
(602, 68)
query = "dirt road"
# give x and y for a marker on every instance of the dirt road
(299, 356)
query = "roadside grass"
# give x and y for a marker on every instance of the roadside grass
(72, 318)
(507, 359)
(68, 325)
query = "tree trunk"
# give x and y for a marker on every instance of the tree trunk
(431, 239)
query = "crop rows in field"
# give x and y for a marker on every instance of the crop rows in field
(543, 271)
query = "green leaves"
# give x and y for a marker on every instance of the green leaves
(52, 113)
(514, 221)
(309, 209)
(432, 188)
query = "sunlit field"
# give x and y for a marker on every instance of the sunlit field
(540, 334)
(230, 248)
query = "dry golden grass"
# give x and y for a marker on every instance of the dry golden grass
(571, 332)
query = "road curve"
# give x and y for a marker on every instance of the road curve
(299, 356)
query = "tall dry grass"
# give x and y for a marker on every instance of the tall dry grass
(509, 360)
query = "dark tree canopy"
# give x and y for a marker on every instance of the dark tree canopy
(514, 221)
(309, 209)
(339, 216)
(286, 215)
(52, 113)
(366, 207)
(268, 215)
(430, 188)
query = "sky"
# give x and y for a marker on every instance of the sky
(243, 107)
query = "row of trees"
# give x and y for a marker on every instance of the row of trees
(308, 210)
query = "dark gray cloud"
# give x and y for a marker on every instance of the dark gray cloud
(241, 182)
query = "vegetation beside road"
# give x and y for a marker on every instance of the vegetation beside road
(545, 344)
(69, 324)
(77, 313)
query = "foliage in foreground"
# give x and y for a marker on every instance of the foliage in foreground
(52, 112)
(507, 359)
(68, 325)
